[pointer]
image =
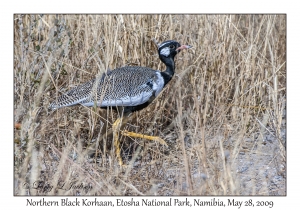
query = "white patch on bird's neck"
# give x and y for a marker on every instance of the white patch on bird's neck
(158, 84)
(165, 51)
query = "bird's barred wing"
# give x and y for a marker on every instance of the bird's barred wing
(134, 96)
(127, 86)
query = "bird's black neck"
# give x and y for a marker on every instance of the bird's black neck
(169, 72)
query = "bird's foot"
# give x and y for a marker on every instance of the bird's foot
(138, 135)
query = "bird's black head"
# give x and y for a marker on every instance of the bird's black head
(168, 49)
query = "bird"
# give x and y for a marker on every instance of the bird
(126, 89)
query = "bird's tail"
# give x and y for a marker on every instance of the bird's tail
(74, 96)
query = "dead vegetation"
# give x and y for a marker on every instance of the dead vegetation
(222, 115)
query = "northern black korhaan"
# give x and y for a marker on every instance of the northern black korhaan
(129, 89)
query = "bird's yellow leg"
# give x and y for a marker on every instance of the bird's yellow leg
(116, 127)
(138, 135)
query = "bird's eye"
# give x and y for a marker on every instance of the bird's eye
(172, 46)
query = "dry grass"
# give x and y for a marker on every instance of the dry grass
(222, 115)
